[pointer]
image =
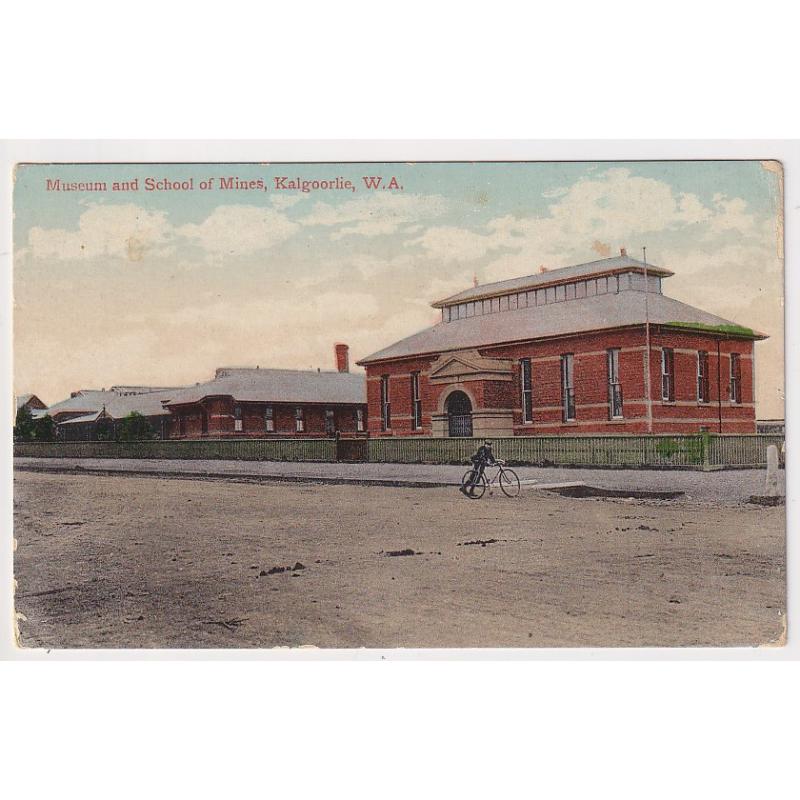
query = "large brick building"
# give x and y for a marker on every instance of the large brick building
(566, 351)
(267, 403)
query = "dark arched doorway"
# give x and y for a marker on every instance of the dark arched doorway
(459, 415)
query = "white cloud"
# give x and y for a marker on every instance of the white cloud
(731, 215)
(239, 229)
(375, 214)
(123, 231)
(133, 233)
(450, 243)
(613, 206)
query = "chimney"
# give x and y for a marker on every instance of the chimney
(342, 357)
(623, 251)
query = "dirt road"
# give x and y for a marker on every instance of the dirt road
(146, 562)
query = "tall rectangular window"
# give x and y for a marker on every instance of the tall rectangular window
(667, 374)
(330, 422)
(614, 385)
(237, 419)
(360, 419)
(736, 379)
(702, 377)
(567, 388)
(299, 420)
(269, 420)
(416, 403)
(386, 407)
(527, 395)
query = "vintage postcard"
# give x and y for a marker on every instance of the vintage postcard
(399, 405)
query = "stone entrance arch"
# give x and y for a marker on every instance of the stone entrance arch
(459, 414)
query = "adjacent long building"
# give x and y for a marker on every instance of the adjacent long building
(591, 348)
(267, 403)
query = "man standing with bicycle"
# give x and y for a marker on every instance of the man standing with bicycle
(483, 458)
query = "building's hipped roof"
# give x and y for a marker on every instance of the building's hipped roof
(559, 319)
(602, 266)
(91, 401)
(86, 400)
(148, 404)
(279, 386)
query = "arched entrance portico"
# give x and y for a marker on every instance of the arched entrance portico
(459, 414)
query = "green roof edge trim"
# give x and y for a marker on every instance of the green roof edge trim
(731, 330)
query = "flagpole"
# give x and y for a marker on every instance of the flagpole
(647, 380)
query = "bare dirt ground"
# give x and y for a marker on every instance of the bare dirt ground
(150, 562)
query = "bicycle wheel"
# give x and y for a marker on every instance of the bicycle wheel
(509, 483)
(477, 490)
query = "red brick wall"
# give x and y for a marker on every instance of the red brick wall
(399, 373)
(220, 413)
(683, 415)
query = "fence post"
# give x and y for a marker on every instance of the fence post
(705, 451)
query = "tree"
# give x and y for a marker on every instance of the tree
(23, 427)
(44, 429)
(134, 428)
(104, 429)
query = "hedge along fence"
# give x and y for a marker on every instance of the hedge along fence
(241, 449)
(702, 451)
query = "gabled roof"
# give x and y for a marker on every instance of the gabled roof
(24, 399)
(279, 386)
(559, 319)
(600, 267)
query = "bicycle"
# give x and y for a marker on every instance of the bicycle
(506, 478)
